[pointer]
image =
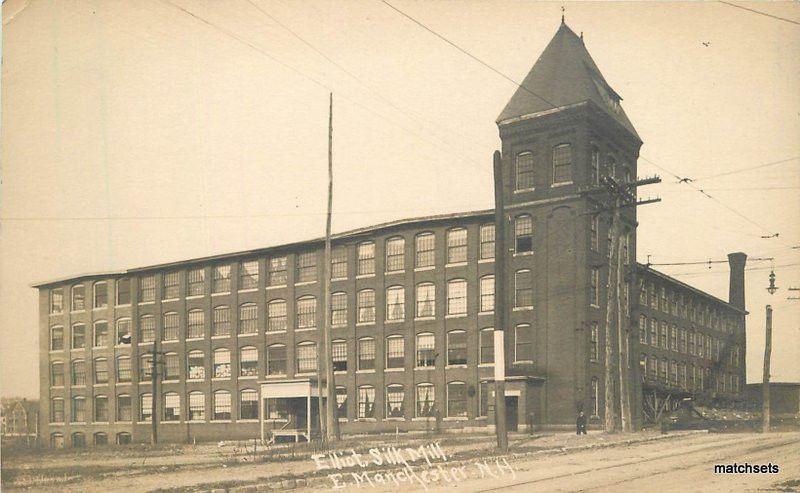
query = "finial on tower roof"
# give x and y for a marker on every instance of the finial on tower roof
(562, 14)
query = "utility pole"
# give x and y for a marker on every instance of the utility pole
(330, 394)
(620, 195)
(499, 307)
(154, 401)
(765, 380)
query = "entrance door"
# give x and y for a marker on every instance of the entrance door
(300, 412)
(511, 412)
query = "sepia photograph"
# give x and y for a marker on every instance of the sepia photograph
(399, 245)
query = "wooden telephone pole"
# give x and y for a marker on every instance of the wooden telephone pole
(765, 379)
(499, 307)
(330, 387)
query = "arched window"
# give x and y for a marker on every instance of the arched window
(57, 440)
(124, 408)
(426, 350)
(78, 409)
(341, 402)
(366, 258)
(172, 407)
(395, 254)
(487, 241)
(456, 399)
(248, 361)
(221, 279)
(222, 363)
(426, 300)
(248, 274)
(395, 303)
(101, 333)
(123, 438)
(425, 400)
(424, 244)
(594, 396)
(524, 176)
(306, 357)
(276, 315)
(248, 318)
(523, 343)
(366, 353)
(339, 352)
(276, 359)
(171, 323)
(394, 401)
(306, 312)
(57, 374)
(339, 309)
(78, 373)
(395, 352)
(523, 289)
(196, 365)
(172, 366)
(366, 401)
(486, 346)
(57, 410)
(100, 370)
(78, 298)
(523, 233)
(145, 367)
(248, 404)
(147, 328)
(221, 322)
(123, 332)
(195, 324)
(456, 347)
(197, 406)
(100, 294)
(145, 407)
(339, 262)
(366, 306)
(57, 338)
(456, 297)
(594, 167)
(456, 245)
(562, 163)
(487, 294)
(222, 405)
(78, 440)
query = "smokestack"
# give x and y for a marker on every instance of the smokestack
(736, 262)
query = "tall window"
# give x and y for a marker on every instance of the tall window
(487, 294)
(523, 289)
(306, 312)
(248, 361)
(276, 359)
(78, 336)
(196, 365)
(426, 400)
(642, 329)
(78, 409)
(366, 259)
(682, 347)
(123, 331)
(248, 274)
(222, 363)
(145, 367)
(306, 357)
(673, 338)
(145, 407)
(426, 350)
(78, 298)
(486, 355)
(221, 279)
(594, 286)
(457, 347)
(487, 241)
(594, 398)
(221, 323)
(56, 338)
(366, 401)
(395, 254)
(562, 163)
(248, 318)
(123, 291)
(339, 263)
(366, 306)
(341, 402)
(339, 309)
(100, 370)
(395, 303)
(57, 374)
(456, 399)
(366, 353)
(100, 294)
(124, 408)
(395, 352)
(172, 366)
(147, 328)
(653, 332)
(456, 245)
(195, 282)
(277, 271)
(394, 401)
(456, 297)
(523, 233)
(56, 300)
(594, 232)
(339, 355)
(170, 286)
(426, 300)
(662, 367)
(222, 405)
(306, 268)
(248, 404)
(593, 335)
(57, 410)
(663, 339)
(197, 406)
(276, 315)
(524, 179)
(483, 397)
(101, 333)
(523, 343)
(172, 407)
(424, 244)
(594, 167)
(195, 324)
(171, 324)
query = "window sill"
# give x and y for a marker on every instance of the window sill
(248, 334)
(524, 190)
(338, 279)
(523, 362)
(122, 346)
(100, 384)
(278, 286)
(522, 308)
(78, 349)
(455, 418)
(394, 272)
(249, 290)
(249, 377)
(522, 254)
(57, 423)
(393, 370)
(486, 365)
(364, 324)
(171, 380)
(221, 421)
(340, 372)
(424, 368)
(455, 264)
(192, 339)
(194, 421)
(365, 276)
(144, 343)
(146, 382)
(221, 294)
(220, 379)
(99, 347)
(191, 380)
(146, 303)
(398, 321)
(423, 319)
(171, 341)
(170, 300)
(171, 422)
(394, 419)
(486, 313)
(98, 308)
(143, 422)
(456, 315)
(561, 184)
(453, 367)
(426, 268)
(221, 337)
(275, 377)
(275, 332)
(428, 419)
(76, 312)
(56, 314)
(305, 283)
(486, 260)
(365, 371)
(305, 329)
(79, 386)
(78, 422)
(195, 296)
(369, 420)
(248, 420)
(56, 387)
(52, 351)
(305, 374)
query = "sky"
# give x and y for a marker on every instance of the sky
(148, 131)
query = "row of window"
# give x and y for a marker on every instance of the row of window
(305, 268)
(686, 376)
(306, 313)
(561, 166)
(680, 305)
(671, 337)
(78, 439)
(305, 355)
(426, 405)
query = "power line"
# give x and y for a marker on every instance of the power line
(705, 262)
(760, 13)
(748, 168)
(744, 189)
(707, 273)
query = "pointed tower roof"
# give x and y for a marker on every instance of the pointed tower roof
(564, 74)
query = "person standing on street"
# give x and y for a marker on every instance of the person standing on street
(581, 424)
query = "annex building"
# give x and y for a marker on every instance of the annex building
(236, 336)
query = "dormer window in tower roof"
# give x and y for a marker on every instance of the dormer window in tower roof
(609, 96)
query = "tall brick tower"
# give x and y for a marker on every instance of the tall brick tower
(561, 131)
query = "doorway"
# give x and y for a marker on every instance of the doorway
(512, 421)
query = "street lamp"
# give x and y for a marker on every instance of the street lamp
(772, 288)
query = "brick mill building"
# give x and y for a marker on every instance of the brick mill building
(412, 308)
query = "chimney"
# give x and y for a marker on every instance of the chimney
(736, 262)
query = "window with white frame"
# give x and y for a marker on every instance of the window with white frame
(56, 300)
(276, 315)
(306, 356)
(195, 282)
(426, 350)
(248, 274)
(171, 324)
(487, 238)
(394, 401)
(222, 363)
(594, 286)
(456, 347)
(523, 289)
(365, 300)
(524, 176)
(594, 232)
(57, 374)
(426, 300)
(487, 294)
(366, 353)
(277, 275)
(221, 322)
(196, 365)
(456, 245)
(523, 343)
(306, 267)
(594, 398)
(339, 309)
(100, 294)
(395, 303)
(306, 312)
(523, 234)
(395, 254)
(248, 361)
(456, 399)
(366, 401)
(425, 400)
(78, 298)
(172, 407)
(170, 286)
(195, 324)
(395, 352)
(562, 163)
(248, 318)
(424, 245)
(366, 259)
(339, 355)
(123, 331)
(457, 297)
(56, 338)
